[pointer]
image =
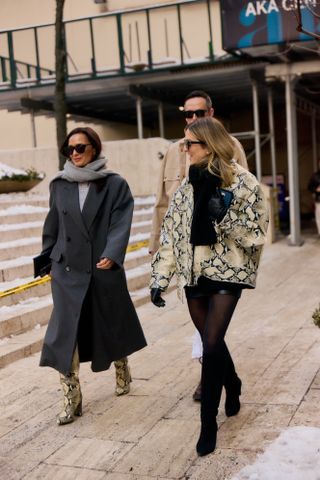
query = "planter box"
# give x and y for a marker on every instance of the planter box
(8, 186)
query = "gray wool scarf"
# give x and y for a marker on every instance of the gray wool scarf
(92, 171)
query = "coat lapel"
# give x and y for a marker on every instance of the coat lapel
(93, 201)
(73, 206)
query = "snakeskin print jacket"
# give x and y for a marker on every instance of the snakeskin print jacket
(240, 238)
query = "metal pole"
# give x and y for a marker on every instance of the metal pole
(161, 123)
(180, 33)
(256, 129)
(210, 32)
(314, 140)
(139, 117)
(292, 148)
(272, 139)
(150, 62)
(120, 44)
(13, 68)
(93, 52)
(38, 73)
(33, 129)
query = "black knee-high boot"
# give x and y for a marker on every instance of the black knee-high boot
(212, 379)
(232, 384)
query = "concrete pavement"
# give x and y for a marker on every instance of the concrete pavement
(151, 433)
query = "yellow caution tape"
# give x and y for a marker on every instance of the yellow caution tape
(25, 286)
(11, 291)
(137, 246)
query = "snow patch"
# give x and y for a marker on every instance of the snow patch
(6, 171)
(294, 455)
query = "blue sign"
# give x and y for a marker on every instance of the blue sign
(265, 22)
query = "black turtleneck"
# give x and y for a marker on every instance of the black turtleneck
(204, 186)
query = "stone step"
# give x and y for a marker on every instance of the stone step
(15, 231)
(23, 266)
(29, 246)
(143, 226)
(22, 214)
(16, 347)
(25, 246)
(14, 199)
(133, 259)
(25, 315)
(36, 214)
(21, 346)
(15, 318)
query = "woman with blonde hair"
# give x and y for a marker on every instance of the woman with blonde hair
(211, 238)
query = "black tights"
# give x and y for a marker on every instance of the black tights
(211, 316)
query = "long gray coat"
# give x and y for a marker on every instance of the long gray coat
(92, 307)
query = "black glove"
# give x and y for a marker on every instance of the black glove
(219, 204)
(156, 298)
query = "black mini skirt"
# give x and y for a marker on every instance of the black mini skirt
(206, 287)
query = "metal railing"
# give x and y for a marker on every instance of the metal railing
(117, 43)
(23, 70)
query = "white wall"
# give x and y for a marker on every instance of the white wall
(136, 160)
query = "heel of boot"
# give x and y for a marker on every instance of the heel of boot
(208, 439)
(78, 410)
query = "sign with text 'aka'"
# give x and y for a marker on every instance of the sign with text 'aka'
(249, 24)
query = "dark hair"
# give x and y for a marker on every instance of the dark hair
(199, 93)
(93, 138)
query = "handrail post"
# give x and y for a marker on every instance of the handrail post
(150, 62)
(120, 43)
(211, 55)
(13, 71)
(93, 59)
(38, 74)
(180, 33)
(3, 69)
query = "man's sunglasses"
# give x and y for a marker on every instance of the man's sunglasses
(187, 143)
(198, 113)
(79, 148)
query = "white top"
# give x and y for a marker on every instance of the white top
(83, 192)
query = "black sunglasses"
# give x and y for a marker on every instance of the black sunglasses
(187, 143)
(79, 148)
(198, 113)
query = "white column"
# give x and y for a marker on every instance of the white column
(139, 117)
(292, 149)
(256, 129)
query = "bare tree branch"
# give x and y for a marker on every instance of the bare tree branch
(60, 106)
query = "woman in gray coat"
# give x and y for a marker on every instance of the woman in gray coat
(86, 234)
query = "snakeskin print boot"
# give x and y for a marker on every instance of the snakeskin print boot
(123, 377)
(72, 404)
(72, 400)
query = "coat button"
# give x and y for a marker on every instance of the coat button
(88, 271)
(68, 269)
(68, 239)
(64, 212)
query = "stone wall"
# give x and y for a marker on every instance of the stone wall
(138, 161)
